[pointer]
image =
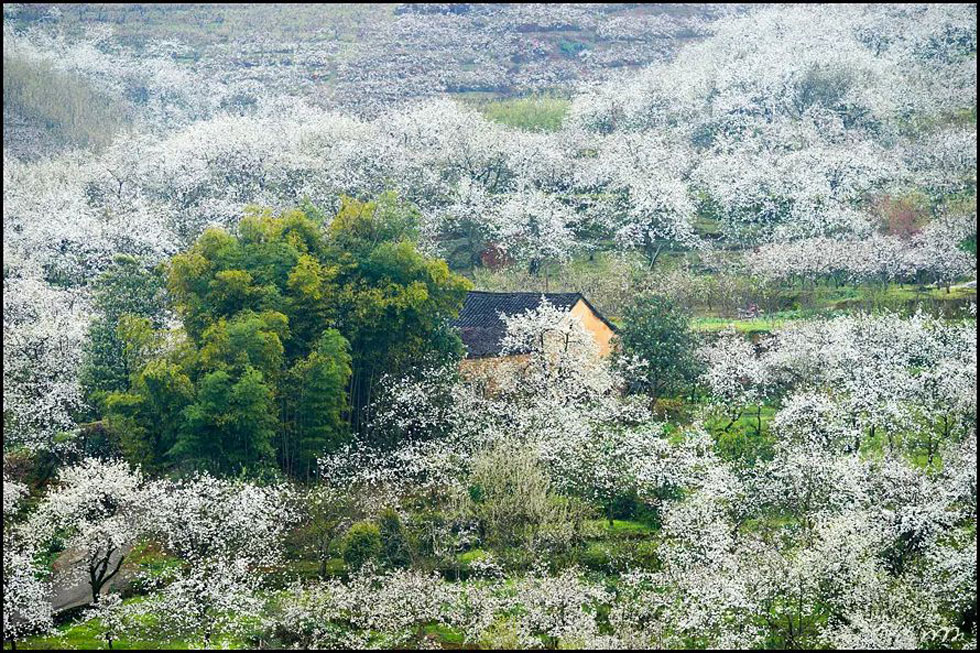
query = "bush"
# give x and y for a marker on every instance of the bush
(672, 410)
(361, 544)
(470, 563)
(395, 546)
(513, 504)
(596, 557)
(646, 555)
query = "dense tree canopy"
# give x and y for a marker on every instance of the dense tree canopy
(125, 291)
(288, 324)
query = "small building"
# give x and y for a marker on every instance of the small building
(482, 329)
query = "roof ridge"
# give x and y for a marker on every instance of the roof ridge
(520, 292)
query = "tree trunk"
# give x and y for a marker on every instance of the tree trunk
(654, 256)
(99, 574)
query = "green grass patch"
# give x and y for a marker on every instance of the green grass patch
(87, 635)
(543, 114)
(749, 326)
(623, 528)
(443, 635)
(471, 556)
(148, 559)
(308, 569)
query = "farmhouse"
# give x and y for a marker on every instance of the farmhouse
(482, 329)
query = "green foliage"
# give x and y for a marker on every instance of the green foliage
(150, 561)
(361, 544)
(126, 290)
(571, 48)
(317, 399)
(149, 417)
(969, 244)
(88, 635)
(612, 556)
(625, 529)
(596, 557)
(394, 305)
(473, 555)
(747, 440)
(231, 425)
(289, 325)
(248, 339)
(656, 332)
(360, 227)
(396, 549)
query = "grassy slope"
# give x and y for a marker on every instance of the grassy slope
(531, 113)
(59, 110)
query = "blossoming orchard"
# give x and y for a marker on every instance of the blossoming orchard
(489, 326)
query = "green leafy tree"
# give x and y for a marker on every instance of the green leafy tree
(148, 418)
(360, 227)
(316, 403)
(657, 346)
(231, 426)
(361, 544)
(394, 540)
(128, 288)
(395, 305)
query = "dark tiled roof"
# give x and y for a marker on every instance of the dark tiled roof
(479, 321)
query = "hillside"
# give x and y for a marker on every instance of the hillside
(359, 58)
(505, 326)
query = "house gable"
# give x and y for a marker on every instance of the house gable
(482, 329)
(600, 328)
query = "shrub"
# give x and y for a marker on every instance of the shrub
(395, 546)
(596, 557)
(361, 543)
(672, 410)
(646, 555)
(513, 504)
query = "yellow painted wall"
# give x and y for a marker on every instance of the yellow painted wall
(487, 371)
(599, 329)
(477, 365)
